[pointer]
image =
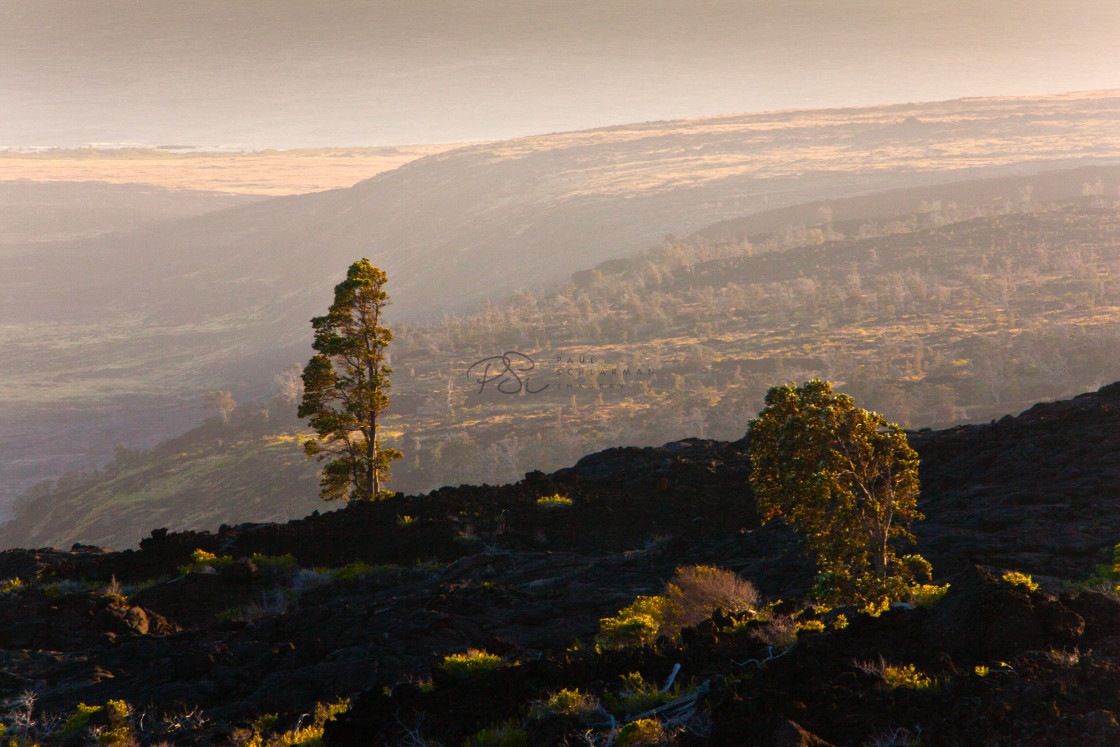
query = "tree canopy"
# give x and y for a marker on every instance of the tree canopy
(345, 384)
(847, 480)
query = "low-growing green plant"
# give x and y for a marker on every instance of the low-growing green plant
(1107, 577)
(691, 596)
(312, 734)
(286, 563)
(926, 595)
(78, 720)
(644, 732)
(205, 562)
(470, 664)
(10, 586)
(262, 730)
(405, 521)
(1015, 578)
(565, 703)
(637, 624)
(638, 696)
(120, 731)
(504, 735)
(64, 587)
(906, 676)
(554, 501)
(352, 571)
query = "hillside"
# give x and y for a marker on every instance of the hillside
(251, 469)
(200, 655)
(154, 317)
(36, 211)
(270, 172)
(948, 315)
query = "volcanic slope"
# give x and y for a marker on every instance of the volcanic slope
(113, 339)
(200, 644)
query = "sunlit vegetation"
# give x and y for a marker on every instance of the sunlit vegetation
(471, 663)
(948, 315)
(554, 501)
(692, 595)
(1016, 578)
(944, 316)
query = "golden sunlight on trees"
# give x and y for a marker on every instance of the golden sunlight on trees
(344, 387)
(223, 402)
(847, 480)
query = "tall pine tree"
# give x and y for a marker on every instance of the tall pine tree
(344, 387)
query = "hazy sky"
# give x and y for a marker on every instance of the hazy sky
(287, 73)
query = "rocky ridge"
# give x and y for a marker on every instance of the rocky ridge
(366, 601)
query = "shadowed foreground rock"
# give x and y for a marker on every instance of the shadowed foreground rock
(203, 653)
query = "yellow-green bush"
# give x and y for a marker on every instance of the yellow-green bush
(906, 677)
(472, 663)
(638, 696)
(637, 624)
(78, 720)
(692, 595)
(1107, 577)
(201, 561)
(566, 703)
(286, 563)
(506, 735)
(926, 595)
(554, 501)
(1020, 579)
(644, 731)
(352, 571)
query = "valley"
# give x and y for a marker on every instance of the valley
(220, 301)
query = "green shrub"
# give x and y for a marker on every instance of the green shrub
(405, 521)
(639, 696)
(1020, 579)
(286, 563)
(506, 735)
(693, 594)
(470, 664)
(312, 734)
(78, 720)
(565, 703)
(635, 625)
(10, 586)
(644, 731)
(119, 732)
(926, 595)
(352, 571)
(1107, 577)
(906, 677)
(203, 562)
(554, 501)
(262, 730)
